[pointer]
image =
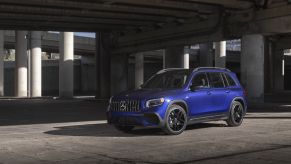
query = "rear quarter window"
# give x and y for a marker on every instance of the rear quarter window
(230, 80)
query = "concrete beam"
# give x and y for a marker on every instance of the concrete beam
(6, 8)
(102, 7)
(169, 32)
(198, 7)
(232, 4)
(268, 21)
(74, 19)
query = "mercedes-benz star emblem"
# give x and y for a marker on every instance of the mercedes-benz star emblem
(122, 105)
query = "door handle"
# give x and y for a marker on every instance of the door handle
(208, 92)
(227, 91)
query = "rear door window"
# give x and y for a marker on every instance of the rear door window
(216, 80)
(200, 80)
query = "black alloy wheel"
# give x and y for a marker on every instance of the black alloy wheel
(176, 120)
(236, 114)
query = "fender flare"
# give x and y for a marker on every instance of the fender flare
(241, 99)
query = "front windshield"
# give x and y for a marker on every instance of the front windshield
(168, 80)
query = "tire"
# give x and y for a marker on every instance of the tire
(175, 120)
(125, 129)
(236, 114)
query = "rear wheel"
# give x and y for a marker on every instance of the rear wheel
(236, 114)
(125, 129)
(175, 121)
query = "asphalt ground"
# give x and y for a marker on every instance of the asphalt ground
(75, 131)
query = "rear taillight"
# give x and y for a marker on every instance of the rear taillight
(245, 92)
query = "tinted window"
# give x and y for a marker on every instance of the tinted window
(215, 80)
(225, 80)
(168, 79)
(200, 80)
(230, 81)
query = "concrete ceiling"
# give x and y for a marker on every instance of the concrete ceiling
(142, 25)
(124, 16)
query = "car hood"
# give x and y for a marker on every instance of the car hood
(144, 94)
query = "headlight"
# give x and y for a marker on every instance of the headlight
(154, 102)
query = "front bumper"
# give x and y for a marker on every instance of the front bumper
(134, 119)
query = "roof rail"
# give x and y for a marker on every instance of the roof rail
(169, 69)
(218, 68)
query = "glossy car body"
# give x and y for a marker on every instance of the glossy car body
(201, 104)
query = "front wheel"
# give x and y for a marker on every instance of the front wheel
(175, 120)
(236, 114)
(125, 129)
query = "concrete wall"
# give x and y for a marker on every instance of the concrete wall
(84, 78)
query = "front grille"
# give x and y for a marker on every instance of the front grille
(125, 106)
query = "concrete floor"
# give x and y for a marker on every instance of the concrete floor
(54, 131)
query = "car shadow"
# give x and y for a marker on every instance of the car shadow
(105, 130)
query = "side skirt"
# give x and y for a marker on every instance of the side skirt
(207, 118)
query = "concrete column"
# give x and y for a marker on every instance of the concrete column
(205, 55)
(139, 69)
(66, 65)
(278, 67)
(176, 57)
(186, 57)
(21, 64)
(35, 64)
(102, 65)
(164, 58)
(252, 66)
(220, 54)
(119, 73)
(2, 53)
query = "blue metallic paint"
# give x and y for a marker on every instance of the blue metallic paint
(208, 101)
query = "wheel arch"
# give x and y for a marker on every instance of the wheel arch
(181, 103)
(240, 100)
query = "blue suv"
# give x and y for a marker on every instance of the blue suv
(174, 98)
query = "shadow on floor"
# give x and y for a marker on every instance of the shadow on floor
(105, 130)
(39, 111)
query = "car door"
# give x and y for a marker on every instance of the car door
(199, 98)
(219, 92)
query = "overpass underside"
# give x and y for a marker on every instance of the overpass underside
(131, 27)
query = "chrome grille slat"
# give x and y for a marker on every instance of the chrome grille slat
(130, 106)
